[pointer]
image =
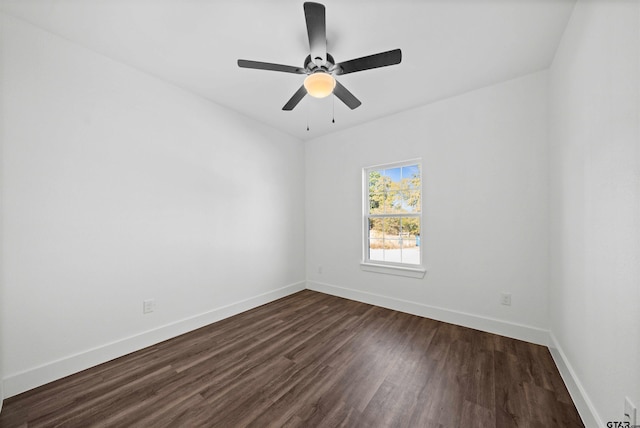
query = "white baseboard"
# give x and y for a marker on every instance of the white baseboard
(504, 328)
(24, 381)
(578, 394)
(37, 376)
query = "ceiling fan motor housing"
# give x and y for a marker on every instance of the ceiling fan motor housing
(328, 67)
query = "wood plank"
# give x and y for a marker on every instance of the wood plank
(312, 360)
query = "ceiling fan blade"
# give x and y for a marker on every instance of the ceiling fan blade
(314, 14)
(295, 99)
(345, 96)
(381, 59)
(269, 66)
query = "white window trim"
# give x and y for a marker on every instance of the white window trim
(417, 272)
(390, 268)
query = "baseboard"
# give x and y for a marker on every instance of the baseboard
(530, 334)
(32, 378)
(578, 394)
(504, 328)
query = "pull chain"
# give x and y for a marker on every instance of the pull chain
(333, 109)
(307, 108)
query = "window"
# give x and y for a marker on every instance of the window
(393, 215)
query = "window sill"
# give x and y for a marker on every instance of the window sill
(417, 272)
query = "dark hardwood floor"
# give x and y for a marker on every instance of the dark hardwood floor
(312, 360)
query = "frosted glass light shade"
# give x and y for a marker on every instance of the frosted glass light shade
(319, 85)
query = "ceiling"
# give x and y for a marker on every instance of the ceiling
(449, 47)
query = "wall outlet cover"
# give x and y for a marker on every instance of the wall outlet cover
(148, 306)
(505, 299)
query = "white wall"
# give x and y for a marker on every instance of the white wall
(595, 207)
(2, 127)
(119, 187)
(485, 202)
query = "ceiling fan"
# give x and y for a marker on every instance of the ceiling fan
(320, 67)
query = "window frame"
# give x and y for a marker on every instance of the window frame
(387, 267)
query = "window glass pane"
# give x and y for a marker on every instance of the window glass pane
(411, 201)
(376, 227)
(410, 226)
(410, 240)
(377, 203)
(393, 254)
(410, 178)
(391, 228)
(387, 202)
(411, 171)
(395, 203)
(403, 206)
(394, 175)
(378, 183)
(376, 251)
(376, 239)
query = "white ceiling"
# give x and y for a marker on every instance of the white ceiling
(449, 47)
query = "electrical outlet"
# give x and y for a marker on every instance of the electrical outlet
(505, 299)
(148, 306)
(630, 412)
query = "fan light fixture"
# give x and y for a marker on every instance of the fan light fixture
(319, 85)
(320, 67)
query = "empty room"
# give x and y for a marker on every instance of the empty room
(304, 214)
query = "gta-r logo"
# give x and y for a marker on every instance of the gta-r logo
(618, 424)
